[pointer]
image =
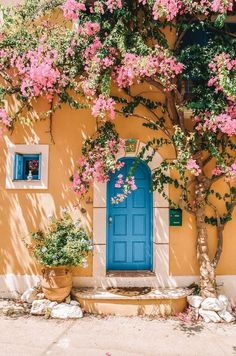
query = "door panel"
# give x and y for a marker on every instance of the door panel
(129, 223)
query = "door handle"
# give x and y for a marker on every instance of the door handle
(110, 220)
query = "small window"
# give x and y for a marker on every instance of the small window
(27, 167)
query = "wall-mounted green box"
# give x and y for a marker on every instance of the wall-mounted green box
(175, 217)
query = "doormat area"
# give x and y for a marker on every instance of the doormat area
(130, 291)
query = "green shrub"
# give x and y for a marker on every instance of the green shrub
(65, 243)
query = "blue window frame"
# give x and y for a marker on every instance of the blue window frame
(27, 166)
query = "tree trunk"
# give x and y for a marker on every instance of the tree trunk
(207, 270)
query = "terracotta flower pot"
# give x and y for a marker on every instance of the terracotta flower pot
(56, 283)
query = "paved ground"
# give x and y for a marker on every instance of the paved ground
(112, 336)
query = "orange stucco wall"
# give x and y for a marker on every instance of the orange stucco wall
(22, 211)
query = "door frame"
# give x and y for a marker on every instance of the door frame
(150, 208)
(161, 248)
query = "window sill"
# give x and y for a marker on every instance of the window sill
(26, 180)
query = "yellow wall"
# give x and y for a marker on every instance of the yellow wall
(22, 211)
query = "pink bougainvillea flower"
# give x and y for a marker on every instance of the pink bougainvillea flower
(5, 119)
(114, 4)
(222, 68)
(128, 185)
(217, 171)
(104, 106)
(159, 64)
(39, 73)
(233, 169)
(193, 167)
(224, 122)
(119, 181)
(166, 8)
(97, 165)
(71, 9)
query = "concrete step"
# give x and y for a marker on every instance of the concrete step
(157, 302)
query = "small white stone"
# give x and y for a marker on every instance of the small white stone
(41, 306)
(40, 296)
(66, 311)
(224, 300)
(226, 316)
(195, 300)
(74, 302)
(212, 304)
(209, 315)
(29, 295)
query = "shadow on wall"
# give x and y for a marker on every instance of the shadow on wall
(23, 211)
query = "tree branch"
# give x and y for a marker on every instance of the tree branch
(51, 122)
(220, 229)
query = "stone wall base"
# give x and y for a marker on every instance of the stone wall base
(12, 285)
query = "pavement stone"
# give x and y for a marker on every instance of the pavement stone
(114, 336)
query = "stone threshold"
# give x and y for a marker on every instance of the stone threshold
(155, 294)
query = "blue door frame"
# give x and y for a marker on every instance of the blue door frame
(129, 223)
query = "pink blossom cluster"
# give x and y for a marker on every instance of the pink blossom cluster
(231, 109)
(193, 167)
(97, 165)
(222, 6)
(95, 64)
(207, 6)
(169, 9)
(119, 181)
(232, 170)
(92, 50)
(229, 172)
(98, 7)
(221, 67)
(224, 122)
(103, 106)
(38, 72)
(89, 29)
(128, 185)
(5, 119)
(113, 5)
(71, 9)
(159, 64)
(70, 50)
(217, 171)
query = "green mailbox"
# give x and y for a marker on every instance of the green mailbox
(175, 217)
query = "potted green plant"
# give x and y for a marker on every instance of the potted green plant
(63, 245)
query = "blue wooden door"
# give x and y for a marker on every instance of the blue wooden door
(129, 223)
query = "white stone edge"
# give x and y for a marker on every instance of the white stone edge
(226, 283)
(27, 149)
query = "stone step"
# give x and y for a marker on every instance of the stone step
(157, 302)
